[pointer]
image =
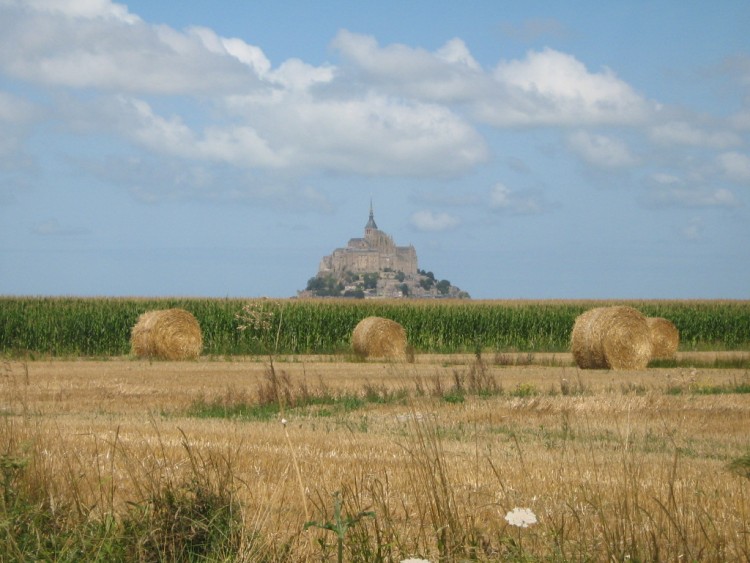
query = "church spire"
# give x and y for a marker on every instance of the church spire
(371, 223)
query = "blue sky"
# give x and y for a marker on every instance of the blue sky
(526, 149)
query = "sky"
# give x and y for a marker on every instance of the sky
(528, 150)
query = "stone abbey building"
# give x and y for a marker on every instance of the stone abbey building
(376, 252)
(373, 266)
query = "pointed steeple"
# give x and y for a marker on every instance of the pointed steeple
(371, 223)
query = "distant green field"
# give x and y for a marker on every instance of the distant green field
(63, 326)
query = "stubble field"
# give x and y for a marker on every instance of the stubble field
(389, 460)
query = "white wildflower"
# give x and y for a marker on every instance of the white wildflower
(283, 422)
(521, 517)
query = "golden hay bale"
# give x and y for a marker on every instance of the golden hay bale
(585, 354)
(611, 338)
(665, 338)
(377, 337)
(169, 334)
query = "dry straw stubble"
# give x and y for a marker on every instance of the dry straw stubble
(611, 338)
(376, 337)
(169, 334)
(665, 338)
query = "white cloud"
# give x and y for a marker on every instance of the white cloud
(503, 198)
(449, 75)
(683, 133)
(374, 134)
(87, 9)
(295, 75)
(297, 133)
(239, 145)
(379, 135)
(456, 52)
(554, 88)
(247, 54)
(736, 166)
(154, 131)
(275, 118)
(670, 191)
(545, 88)
(600, 150)
(386, 110)
(101, 47)
(428, 221)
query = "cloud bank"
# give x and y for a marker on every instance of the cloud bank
(376, 110)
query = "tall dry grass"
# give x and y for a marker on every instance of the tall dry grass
(614, 468)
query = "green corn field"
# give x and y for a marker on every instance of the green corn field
(62, 326)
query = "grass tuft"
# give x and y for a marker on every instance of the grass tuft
(192, 518)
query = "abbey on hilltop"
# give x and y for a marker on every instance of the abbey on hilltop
(373, 266)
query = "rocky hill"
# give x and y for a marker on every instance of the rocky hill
(422, 285)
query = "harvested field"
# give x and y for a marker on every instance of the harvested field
(613, 465)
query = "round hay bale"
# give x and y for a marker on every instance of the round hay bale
(586, 355)
(168, 334)
(611, 338)
(376, 337)
(665, 338)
